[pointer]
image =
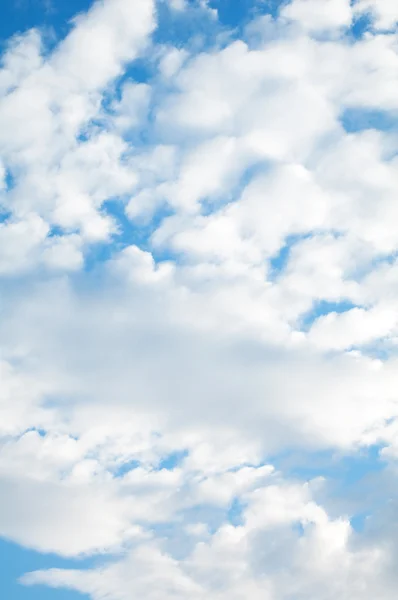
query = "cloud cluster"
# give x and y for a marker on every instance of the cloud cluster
(199, 276)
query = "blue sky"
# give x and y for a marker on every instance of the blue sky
(20, 16)
(198, 313)
(16, 561)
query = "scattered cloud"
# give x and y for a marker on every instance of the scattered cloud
(199, 269)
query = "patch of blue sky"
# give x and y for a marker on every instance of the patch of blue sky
(22, 15)
(322, 308)
(15, 561)
(237, 14)
(235, 512)
(55, 231)
(169, 463)
(173, 460)
(140, 70)
(280, 260)
(9, 180)
(128, 233)
(346, 469)
(41, 432)
(350, 477)
(381, 349)
(122, 469)
(360, 26)
(98, 254)
(360, 119)
(358, 521)
(5, 215)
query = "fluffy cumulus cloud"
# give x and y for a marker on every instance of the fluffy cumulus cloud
(383, 12)
(199, 318)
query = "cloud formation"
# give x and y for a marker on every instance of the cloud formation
(198, 255)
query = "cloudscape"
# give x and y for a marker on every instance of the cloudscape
(199, 299)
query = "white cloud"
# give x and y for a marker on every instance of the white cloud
(266, 559)
(316, 15)
(61, 518)
(104, 39)
(22, 56)
(356, 327)
(142, 396)
(20, 399)
(133, 106)
(177, 4)
(49, 100)
(384, 12)
(18, 240)
(172, 61)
